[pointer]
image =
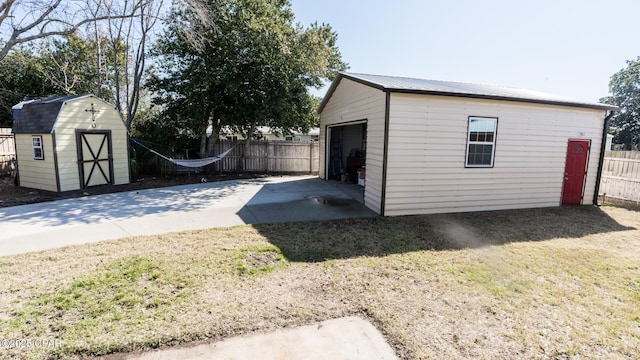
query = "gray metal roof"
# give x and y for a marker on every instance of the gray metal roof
(39, 116)
(459, 89)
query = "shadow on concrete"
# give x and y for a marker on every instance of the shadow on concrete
(312, 242)
(310, 199)
(117, 206)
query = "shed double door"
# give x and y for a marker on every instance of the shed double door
(95, 160)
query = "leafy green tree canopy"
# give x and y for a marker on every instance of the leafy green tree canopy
(20, 78)
(624, 88)
(242, 63)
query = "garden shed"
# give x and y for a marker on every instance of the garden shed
(68, 143)
(424, 146)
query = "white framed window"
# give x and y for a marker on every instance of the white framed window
(36, 144)
(481, 141)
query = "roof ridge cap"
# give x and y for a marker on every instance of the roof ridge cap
(445, 81)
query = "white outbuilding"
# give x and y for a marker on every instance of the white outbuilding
(69, 143)
(423, 146)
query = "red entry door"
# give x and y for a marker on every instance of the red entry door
(574, 172)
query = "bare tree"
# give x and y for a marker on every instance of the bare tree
(128, 49)
(197, 18)
(119, 63)
(68, 63)
(23, 21)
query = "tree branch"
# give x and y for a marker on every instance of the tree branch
(44, 21)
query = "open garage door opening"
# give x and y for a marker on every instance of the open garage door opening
(346, 160)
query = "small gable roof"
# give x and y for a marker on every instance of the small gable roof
(39, 116)
(458, 89)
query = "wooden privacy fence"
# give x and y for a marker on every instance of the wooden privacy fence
(621, 176)
(7, 151)
(267, 157)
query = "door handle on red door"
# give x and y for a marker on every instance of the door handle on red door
(566, 178)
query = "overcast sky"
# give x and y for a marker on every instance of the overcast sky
(568, 48)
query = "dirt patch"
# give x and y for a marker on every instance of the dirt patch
(12, 195)
(258, 260)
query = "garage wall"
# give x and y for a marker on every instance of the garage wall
(427, 147)
(352, 101)
(73, 116)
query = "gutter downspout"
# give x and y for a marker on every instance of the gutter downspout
(385, 154)
(605, 131)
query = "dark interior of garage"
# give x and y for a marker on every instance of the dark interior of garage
(347, 153)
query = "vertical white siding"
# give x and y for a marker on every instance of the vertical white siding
(352, 101)
(426, 156)
(73, 116)
(36, 174)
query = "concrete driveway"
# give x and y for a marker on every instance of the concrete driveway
(154, 211)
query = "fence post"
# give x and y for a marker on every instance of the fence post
(266, 156)
(310, 157)
(7, 151)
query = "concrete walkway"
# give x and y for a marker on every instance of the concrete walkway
(154, 211)
(349, 338)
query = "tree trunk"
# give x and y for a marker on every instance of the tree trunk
(247, 147)
(203, 144)
(213, 139)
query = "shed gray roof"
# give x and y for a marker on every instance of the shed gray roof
(39, 116)
(459, 89)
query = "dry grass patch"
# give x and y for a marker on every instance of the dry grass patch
(259, 259)
(546, 283)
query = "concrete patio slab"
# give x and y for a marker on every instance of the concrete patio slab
(349, 338)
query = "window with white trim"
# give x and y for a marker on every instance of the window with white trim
(36, 144)
(481, 141)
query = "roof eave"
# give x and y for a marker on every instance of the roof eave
(327, 96)
(384, 88)
(505, 98)
(62, 100)
(337, 80)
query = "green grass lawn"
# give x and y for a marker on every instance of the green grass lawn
(543, 283)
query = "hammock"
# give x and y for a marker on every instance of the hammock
(195, 163)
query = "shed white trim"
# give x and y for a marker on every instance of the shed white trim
(58, 120)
